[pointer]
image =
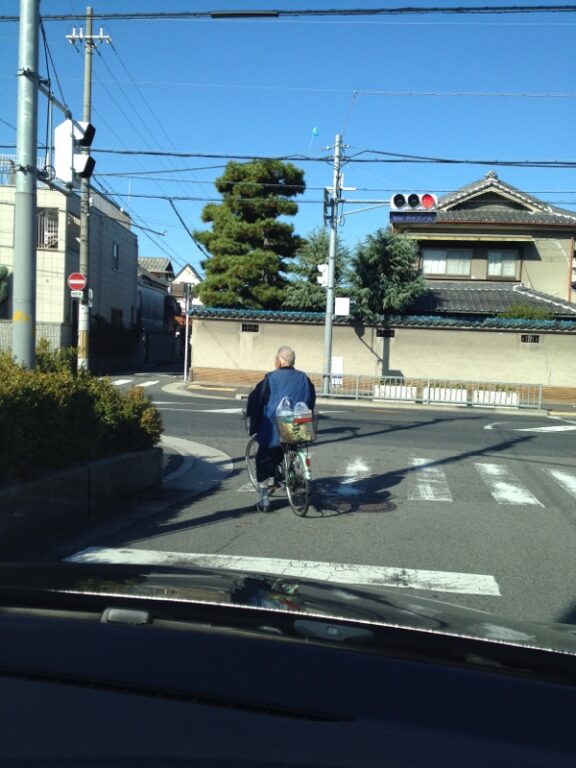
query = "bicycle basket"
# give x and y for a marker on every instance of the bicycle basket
(296, 429)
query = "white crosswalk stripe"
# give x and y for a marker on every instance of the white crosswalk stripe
(428, 482)
(504, 486)
(121, 382)
(334, 573)
(566, 480)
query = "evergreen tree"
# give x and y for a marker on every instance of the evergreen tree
(303, 291)
(249, 248)
(384, 276)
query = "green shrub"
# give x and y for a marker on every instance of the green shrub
(50, 360)
(54, 418)
(529, 312)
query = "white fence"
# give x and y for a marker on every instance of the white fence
(435, 391)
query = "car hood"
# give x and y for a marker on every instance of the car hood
(187, 589)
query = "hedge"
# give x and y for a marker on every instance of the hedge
(53, 417)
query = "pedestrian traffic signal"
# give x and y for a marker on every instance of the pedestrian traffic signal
(70, 162)
(413, 201)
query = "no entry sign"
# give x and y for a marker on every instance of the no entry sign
(76, 281)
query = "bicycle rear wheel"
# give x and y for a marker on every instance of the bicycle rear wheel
(297, 483)
(251, 449)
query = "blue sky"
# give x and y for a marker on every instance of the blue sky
(502, 89)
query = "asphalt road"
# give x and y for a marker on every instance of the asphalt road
(471, 507)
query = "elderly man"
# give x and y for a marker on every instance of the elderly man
(284, 381)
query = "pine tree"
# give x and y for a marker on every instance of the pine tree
(303, 291)
(249, 248)
(384, 275)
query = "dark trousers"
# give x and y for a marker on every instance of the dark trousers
(267, 459)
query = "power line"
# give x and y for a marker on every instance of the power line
(363, 91)
(311, 13)
(145, 196)
(137, 113)
(139, 177)
(381, 157)
(188, 230)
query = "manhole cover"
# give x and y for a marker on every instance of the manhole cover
(342, 505)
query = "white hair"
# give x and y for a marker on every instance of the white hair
(286, 355)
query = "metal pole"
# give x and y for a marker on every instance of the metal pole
(335, 198)
(25, 229)
(83, 308)
(186, 332)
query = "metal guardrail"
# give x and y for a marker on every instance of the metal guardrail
(435, 391)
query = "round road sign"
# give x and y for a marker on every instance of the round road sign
(76, 281)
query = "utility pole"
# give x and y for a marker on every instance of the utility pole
(25, 229)
(89, 40)
(334, 196)
(187, 333)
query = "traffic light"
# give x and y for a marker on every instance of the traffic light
(70, 163)
(413, 201)
(323, 276)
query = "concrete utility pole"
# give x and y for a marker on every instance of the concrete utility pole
(334, 200)
(89, 40)
(24, 296)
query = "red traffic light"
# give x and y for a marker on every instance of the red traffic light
(413, 201)
(428, 201)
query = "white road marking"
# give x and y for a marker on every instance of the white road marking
(246, 488)
(554, 428)
(335, 573)
(558, 428)
(119, 382)
(566, 479)
(218, 410)
(355, 471)
(148, 383)
(167, 408)
(428, 482)
(504, 486)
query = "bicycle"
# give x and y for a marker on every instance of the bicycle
(293, 473)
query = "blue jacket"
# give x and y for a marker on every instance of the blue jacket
(265, 398)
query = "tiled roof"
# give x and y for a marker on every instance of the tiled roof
(484, 298)
(224, 313)
(492, 201)
(445, 304)
(469, 322)
(156, 264)
(504, 216)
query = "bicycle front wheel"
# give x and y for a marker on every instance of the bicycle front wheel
(251, 450)
(297, 483)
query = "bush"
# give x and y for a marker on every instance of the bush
(529, 312)
(53, 417)
(51, 360)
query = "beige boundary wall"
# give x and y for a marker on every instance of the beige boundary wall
(223, 353)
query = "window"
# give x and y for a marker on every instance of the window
(453, 261)
(530, 338)
(47, 228)
(502, 263)
(250, 328)
(115, 257)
